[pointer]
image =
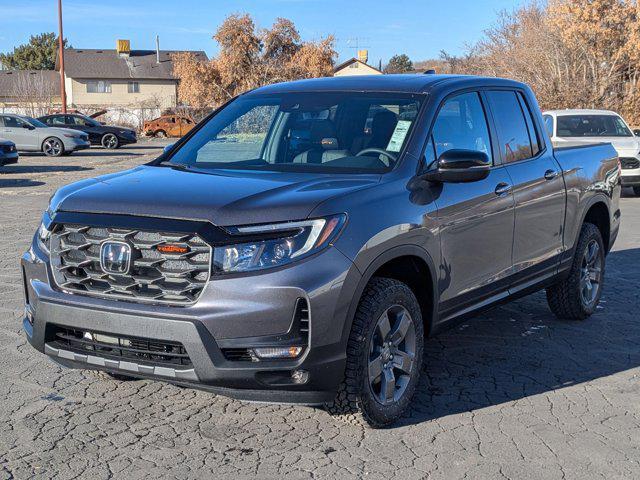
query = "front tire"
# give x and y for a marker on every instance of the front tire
(577, 297)
(161, 134)
(110, 141)
(636, 191)
(384, 356)
(53, 147)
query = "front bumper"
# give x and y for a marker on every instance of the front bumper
(631, 179)
(8, 158)
(240, 312)
(73, 144)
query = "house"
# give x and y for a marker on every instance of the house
(125, 78)
(355, 66)
(30, 92)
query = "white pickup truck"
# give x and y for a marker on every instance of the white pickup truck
(579, 127)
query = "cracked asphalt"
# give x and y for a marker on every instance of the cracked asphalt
(513, 393)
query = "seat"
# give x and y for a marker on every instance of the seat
(382, 127)
(322, 136)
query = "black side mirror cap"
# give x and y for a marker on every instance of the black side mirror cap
(636, 132)
(460, 166)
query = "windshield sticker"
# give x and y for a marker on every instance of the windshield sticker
(399, 134)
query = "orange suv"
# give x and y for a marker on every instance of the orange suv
(168, 126)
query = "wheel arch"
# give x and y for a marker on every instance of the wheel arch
(598, 214)
(409, 264)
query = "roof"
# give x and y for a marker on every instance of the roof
(108, 64)
(406, 83)
(354, 60)
(12, 81)
(579, 111)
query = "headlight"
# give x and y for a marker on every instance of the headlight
(43, 237)
(283, 243)
(71, 135)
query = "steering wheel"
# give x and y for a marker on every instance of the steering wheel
(390, 156)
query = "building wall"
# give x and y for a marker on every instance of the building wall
(356, 68)
(160, 93)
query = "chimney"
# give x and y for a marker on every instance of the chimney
(157, 48)
(123, 47)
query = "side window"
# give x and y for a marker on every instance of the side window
(533, 135)
(512, 127)
(462, 124)
(2, 121)
(11, 122)
(548, 124)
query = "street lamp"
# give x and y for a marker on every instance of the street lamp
(63, 93)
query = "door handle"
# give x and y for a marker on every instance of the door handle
(550, 174)
(502, 188)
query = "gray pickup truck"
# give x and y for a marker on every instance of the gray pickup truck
(301, 243)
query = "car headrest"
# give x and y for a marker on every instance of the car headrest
(321, 129)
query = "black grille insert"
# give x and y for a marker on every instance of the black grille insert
(629, 163)
(176, 274)
(119, 347)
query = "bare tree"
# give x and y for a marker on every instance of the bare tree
(34, 91)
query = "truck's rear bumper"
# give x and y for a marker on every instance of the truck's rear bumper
(630, 180)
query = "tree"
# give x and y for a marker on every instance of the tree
(38, 54)
(399, 64)
(250, 58)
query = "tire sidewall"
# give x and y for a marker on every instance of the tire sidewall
(589, 233)
(105, 136)
(59, 142)
(384, 414)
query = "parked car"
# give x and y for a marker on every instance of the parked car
(8, 152)
(31, 135)
(252, 265)
(168, 126)
(99, 134)
(587, 127)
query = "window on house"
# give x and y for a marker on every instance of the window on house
(98, 86)
(133, 87)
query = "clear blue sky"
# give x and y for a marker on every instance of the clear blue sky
(419, 28)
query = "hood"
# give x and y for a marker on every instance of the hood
(6, 142)
(116, 129)
(625, 146)
(224, 197)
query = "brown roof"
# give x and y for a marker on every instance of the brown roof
(354, 60)
(107, 64)
(11, 80)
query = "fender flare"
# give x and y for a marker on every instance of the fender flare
(380, 260)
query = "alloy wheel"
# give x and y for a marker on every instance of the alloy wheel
(52, 147)
(591, 273)
(391, 355)
(109, 141)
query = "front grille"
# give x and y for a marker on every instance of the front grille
(629, 163)
(118, 347)
(154, 276)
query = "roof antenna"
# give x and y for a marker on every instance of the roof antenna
(431, 71)
(157, 48)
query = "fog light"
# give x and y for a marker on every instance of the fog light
(267, 353)
(300, 376)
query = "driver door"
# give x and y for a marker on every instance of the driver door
(19, 132)
(476, 219)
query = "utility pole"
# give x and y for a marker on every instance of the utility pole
(63, 93)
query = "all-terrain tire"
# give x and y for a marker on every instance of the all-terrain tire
(355, 401)
(564, 298)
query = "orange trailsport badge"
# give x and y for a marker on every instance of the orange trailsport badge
(171, 248)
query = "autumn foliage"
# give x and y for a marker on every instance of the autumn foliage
(574, 53)
(249, 58)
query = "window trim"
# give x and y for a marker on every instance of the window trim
(131, 84)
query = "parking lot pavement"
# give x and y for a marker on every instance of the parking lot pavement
(513, 393)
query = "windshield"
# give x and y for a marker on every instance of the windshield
(319, 131)
(35, 123)
(82, 120)
(592, 126)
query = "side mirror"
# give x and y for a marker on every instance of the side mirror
(28, 127)
(168, 147)
(460, 166)
(636, 132)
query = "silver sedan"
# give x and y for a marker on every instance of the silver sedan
(31, 135)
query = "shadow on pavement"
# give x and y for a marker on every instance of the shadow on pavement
(19, 183)
(521, 349)
(12, 169)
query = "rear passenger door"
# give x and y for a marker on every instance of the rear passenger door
(538, 187)
(476, 218)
